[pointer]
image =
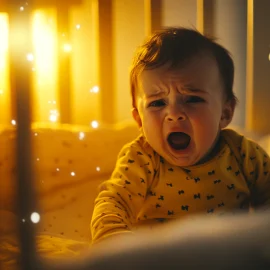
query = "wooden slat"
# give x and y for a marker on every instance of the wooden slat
(106, 61)
(152, 13)
(20, 45)
(258, 66)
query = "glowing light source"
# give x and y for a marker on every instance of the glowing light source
(94, 89)
(35, 217)
(94, 124)
(67, 47)
(1, 92)
(45, 65)
(30, 57)
(21, 8)
(81, 135)
(98, 169)
(72, 174)
(78, 26)
(53, 115)
(23, 220)
(58, 169)
(13, 122)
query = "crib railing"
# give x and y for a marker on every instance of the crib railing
(20, 75)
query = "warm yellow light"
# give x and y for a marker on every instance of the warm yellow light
(1, 92)
(81, 135)
(98, 169)
(13, 122)
(21, 8)
(67, 47)
(53, 115)
(94, 124)
(45, 76)
(35, 217)
(4, 40)
(78, 26)
(72, 173)
(30, 57)
(94, 89)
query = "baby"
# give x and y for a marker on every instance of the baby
(185, 161)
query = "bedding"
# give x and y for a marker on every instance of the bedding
(70, 162)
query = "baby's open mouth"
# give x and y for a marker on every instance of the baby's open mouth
(178, 140)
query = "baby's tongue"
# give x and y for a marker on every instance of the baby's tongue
(179, 140)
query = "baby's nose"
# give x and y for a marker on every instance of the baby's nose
(176, 113)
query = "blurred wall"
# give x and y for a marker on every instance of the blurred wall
(93, 73)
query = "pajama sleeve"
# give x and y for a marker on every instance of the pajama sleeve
(121, 198)
(257, 169)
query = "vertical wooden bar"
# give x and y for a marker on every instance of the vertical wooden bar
(249, 68)
(106, 61)
(200, 16)
(208, 21)
(64, 80)
(153, 16)
(258, 66)
(5, 92)
(20, 46)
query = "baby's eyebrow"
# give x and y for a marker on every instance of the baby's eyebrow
(155, 94)
(193, 90)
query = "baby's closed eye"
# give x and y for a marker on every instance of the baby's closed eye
(157, 103)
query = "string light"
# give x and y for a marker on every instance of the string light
(35, 217)
(30, 57)
(81, 135)
(23, 220)
(37, 159)
(58, 169)
(98, 169)
(53, 115)
(67, 47)
(94, 124)
(72, 174)
(36, 134)
(94, 89)
(13, 122)
(78, 26)
(21, 8)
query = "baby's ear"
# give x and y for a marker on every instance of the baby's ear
(137, 117)
(227, 113)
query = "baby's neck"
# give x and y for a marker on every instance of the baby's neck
(213, 151)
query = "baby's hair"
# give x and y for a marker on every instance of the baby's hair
(176, 46)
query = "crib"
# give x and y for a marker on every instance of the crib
(71, 160)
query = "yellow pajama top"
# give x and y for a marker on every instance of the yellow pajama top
(146, 188)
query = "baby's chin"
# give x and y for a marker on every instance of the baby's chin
(185, 161)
